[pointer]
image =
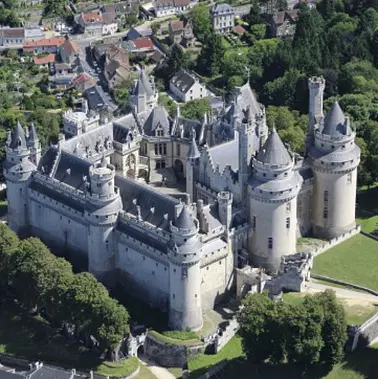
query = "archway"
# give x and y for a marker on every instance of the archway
(245, 289)
(179, 168)
(140, 351)
(143, 175)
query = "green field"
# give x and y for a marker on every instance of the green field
(356, 314)
(354, 261)
(368, 225)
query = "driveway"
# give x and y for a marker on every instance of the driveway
(159, 372)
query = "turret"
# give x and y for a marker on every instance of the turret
(185, 273)
(334, 159)
(144, 96)
(192, 162)
(225, 208)
(34, 145)
(273, 190)
(17, 172)
(103, 206)
(316, 86)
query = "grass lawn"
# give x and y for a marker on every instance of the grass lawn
(356, 313)
(175, 341)
(144, 373)
(354, 261)
(175, 371)
(368, 225)
(236, 50)
(32, 337)
(203, 363)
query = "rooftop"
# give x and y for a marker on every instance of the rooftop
(50, 58)
(183, 81)
(45, 42)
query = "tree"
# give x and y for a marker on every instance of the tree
(8, 245)
(195, 109)
(211, 57)
(254, 17)
(177, 58)
(200, 16)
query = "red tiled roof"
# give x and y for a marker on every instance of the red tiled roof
(44, 42)
(94, 16)
(178, 25)
(71, 47)
(238, 30)
(44, 60)
(82, 79)
(143, 43)
(181, 3)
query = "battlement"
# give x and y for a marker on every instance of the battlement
(316, 82)
(102, 173)
(225, 196)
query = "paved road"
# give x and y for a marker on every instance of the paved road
(159, 372)
(340, 292)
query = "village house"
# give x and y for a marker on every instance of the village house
(139, 46)
(283, 23)
(110, 24)
(165, 8)
(121, 10)
(181, 32)
(186, 87)
(117, 66)
(90, 23)
(69, 51)
(34, 34)
(11, 36)
(44, 62)
(138, 32)
(49, 45)
(222, 18)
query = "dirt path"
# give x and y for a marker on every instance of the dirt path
(159, 372)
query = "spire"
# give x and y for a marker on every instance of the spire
(274, 151)
(143, 86)
(185, 219)
(18, 137)
(335, 123)
(104, 163)
(193, 152)
(33, 137)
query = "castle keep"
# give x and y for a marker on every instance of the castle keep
(106, 192)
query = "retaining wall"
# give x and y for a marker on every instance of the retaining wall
(366, 333)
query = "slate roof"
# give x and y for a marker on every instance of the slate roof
(274, 151)
(47, 160)
(288, 15)
(184, 127)
(12, 32)
(335, 123)
(183, 81)
(95, 100)
(143, 86)
(109, 18)
(46, 372)
(33, 137)
(193, 151)
(156, 208)
(226, 154)
(18, 135)
(222, 9)
(158, 117)
(123, 7)
(244, 98)
(185, 219)
(123, 127)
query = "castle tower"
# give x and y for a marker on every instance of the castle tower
(185, 273)
(34, 145)
(225, 199)
(246, 148)
(103, 206)
(17, 172)
(192, 162)
(144, 96)
(273, 191)
(316, 86)
(334, 160)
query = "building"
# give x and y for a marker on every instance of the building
(121, 10)
(186, 87)
(69, 51)
(110, 24)
(49, 45)
(90, 23)
(248, 198)
(222, 18)
(283, 23)
(11, 36)
(44, 62)
(139, 46)
(33, 34)
(138, 32)
(117, 66)
(181, 32)
(165, 8)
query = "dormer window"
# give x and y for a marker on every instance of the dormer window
(159, 131)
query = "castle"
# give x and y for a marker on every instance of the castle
(99, 193)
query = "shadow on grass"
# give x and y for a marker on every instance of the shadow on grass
(32, 338)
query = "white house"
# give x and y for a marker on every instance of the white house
(165, 8)
(222, 18)
(187, 87)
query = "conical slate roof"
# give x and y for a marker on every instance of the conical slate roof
(335, 124)
(18, 137)
(185, 219)
(274, 151)
(33, 137)
(144, 86)
(193, 152)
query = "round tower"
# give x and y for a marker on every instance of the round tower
(17, 172)
(316, 86)
(225, 199)
(103, 206)
(185, 273)
(273, 190)
(334, 160)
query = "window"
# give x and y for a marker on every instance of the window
(325, 197)
(178, 148)
(156, 149)
(287, 222)
(253, 222)
(184, 273)
(270, 243)
(349, 178)
(288, 207)
(325, 213)
(98, 184)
